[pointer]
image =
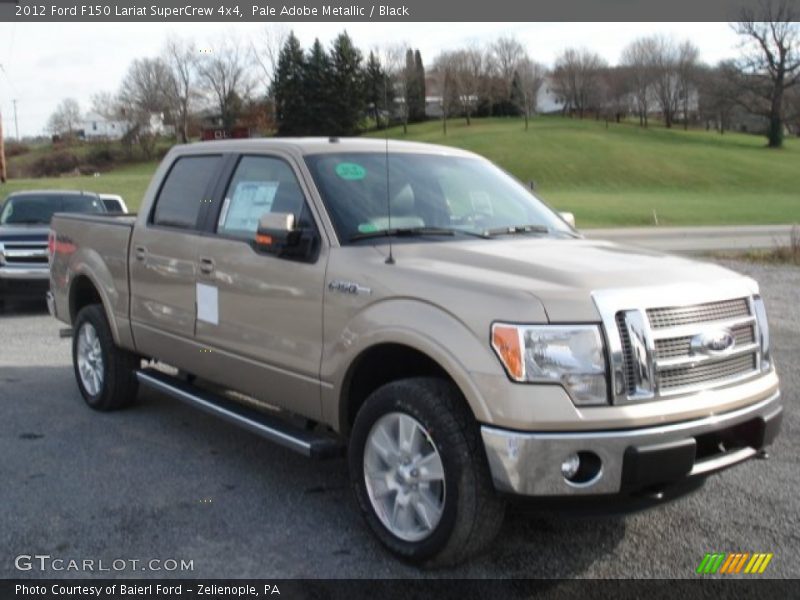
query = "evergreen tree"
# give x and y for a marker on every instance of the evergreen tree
(412, 86)
(347, 103)
(318, 93)
(377, 88)
(288, 89)
(418, 106)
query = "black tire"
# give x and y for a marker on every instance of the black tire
(119, 384)
(473, 512)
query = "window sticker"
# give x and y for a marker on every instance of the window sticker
(249, 201)
(351, 171)
(367, 228)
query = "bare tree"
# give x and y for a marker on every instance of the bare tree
(770, 65)
(686, 72)
(718, 94)
(529, 77)
(637, 59)
(143, 94)
(673, 66)
(267, 49)
(181, 57)
(65, 119)
(444, 70)
(616, 93)
(665, 82)
(469, 65)
(225, 72)
(105, 105)
(576, 78)
(506, 54)
(400, 76)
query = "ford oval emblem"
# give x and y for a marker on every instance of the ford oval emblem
(719, 341)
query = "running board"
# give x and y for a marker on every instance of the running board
(309, 443)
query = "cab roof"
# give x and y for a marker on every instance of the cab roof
(323, 145)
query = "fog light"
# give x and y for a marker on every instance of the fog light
(582, 468)
(570, 466)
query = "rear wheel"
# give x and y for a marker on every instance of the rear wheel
(419, 473)
(106, 374)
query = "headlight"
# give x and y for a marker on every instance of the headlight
(763, 332)
(572, 355)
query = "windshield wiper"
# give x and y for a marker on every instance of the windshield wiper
(516, 230)
(401, 232)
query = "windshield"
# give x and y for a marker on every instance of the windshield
(39, 208)
(428, 193)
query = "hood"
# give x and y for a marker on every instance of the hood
(24, 232)
(561, 273)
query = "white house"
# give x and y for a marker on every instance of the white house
(96, 126)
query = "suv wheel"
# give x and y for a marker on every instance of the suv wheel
(419, 473)
(106, 374)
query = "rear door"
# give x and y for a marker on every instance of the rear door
(262, 330)
(163, 261)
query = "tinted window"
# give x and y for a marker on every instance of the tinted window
(182, 194)
(260, 185)
(39, 208)
(423, 190)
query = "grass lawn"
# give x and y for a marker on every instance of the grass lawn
(609, 176)
(619, 175)
(129, 181)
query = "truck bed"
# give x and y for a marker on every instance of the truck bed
(96, 244)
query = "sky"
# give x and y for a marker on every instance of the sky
(43, 63)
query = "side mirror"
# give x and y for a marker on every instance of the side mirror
(277, 234)
(569, 218)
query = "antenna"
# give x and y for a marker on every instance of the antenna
(390, 258)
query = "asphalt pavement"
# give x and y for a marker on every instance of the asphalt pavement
(698, 240)
(163, 481)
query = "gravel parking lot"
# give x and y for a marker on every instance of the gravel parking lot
(162, 481)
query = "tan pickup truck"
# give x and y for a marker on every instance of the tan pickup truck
(417, 308)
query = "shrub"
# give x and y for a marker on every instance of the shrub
(54, 164)
(16, 149)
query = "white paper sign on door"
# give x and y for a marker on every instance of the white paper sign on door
(207, 303)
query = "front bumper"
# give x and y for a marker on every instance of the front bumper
(632, 459)
(23, 281)
(9, 274)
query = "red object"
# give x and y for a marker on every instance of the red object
(225, 134)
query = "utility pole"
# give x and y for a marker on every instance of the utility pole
(2, 152)
(16, 123)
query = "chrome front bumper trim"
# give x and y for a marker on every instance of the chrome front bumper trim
(24, 273)
(530, 463)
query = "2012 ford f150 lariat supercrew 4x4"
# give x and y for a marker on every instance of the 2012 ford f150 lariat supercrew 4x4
(418, 308)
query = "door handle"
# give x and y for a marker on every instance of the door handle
(140, 252)
(206, 266)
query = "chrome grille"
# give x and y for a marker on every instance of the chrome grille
(671, 364)
(24, 253)
(627, 353)
(682, 346)
(683, 377)
(661, 318)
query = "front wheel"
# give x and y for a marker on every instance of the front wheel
(419, 473)
(106, 374)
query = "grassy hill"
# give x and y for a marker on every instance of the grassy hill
(618, 175)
